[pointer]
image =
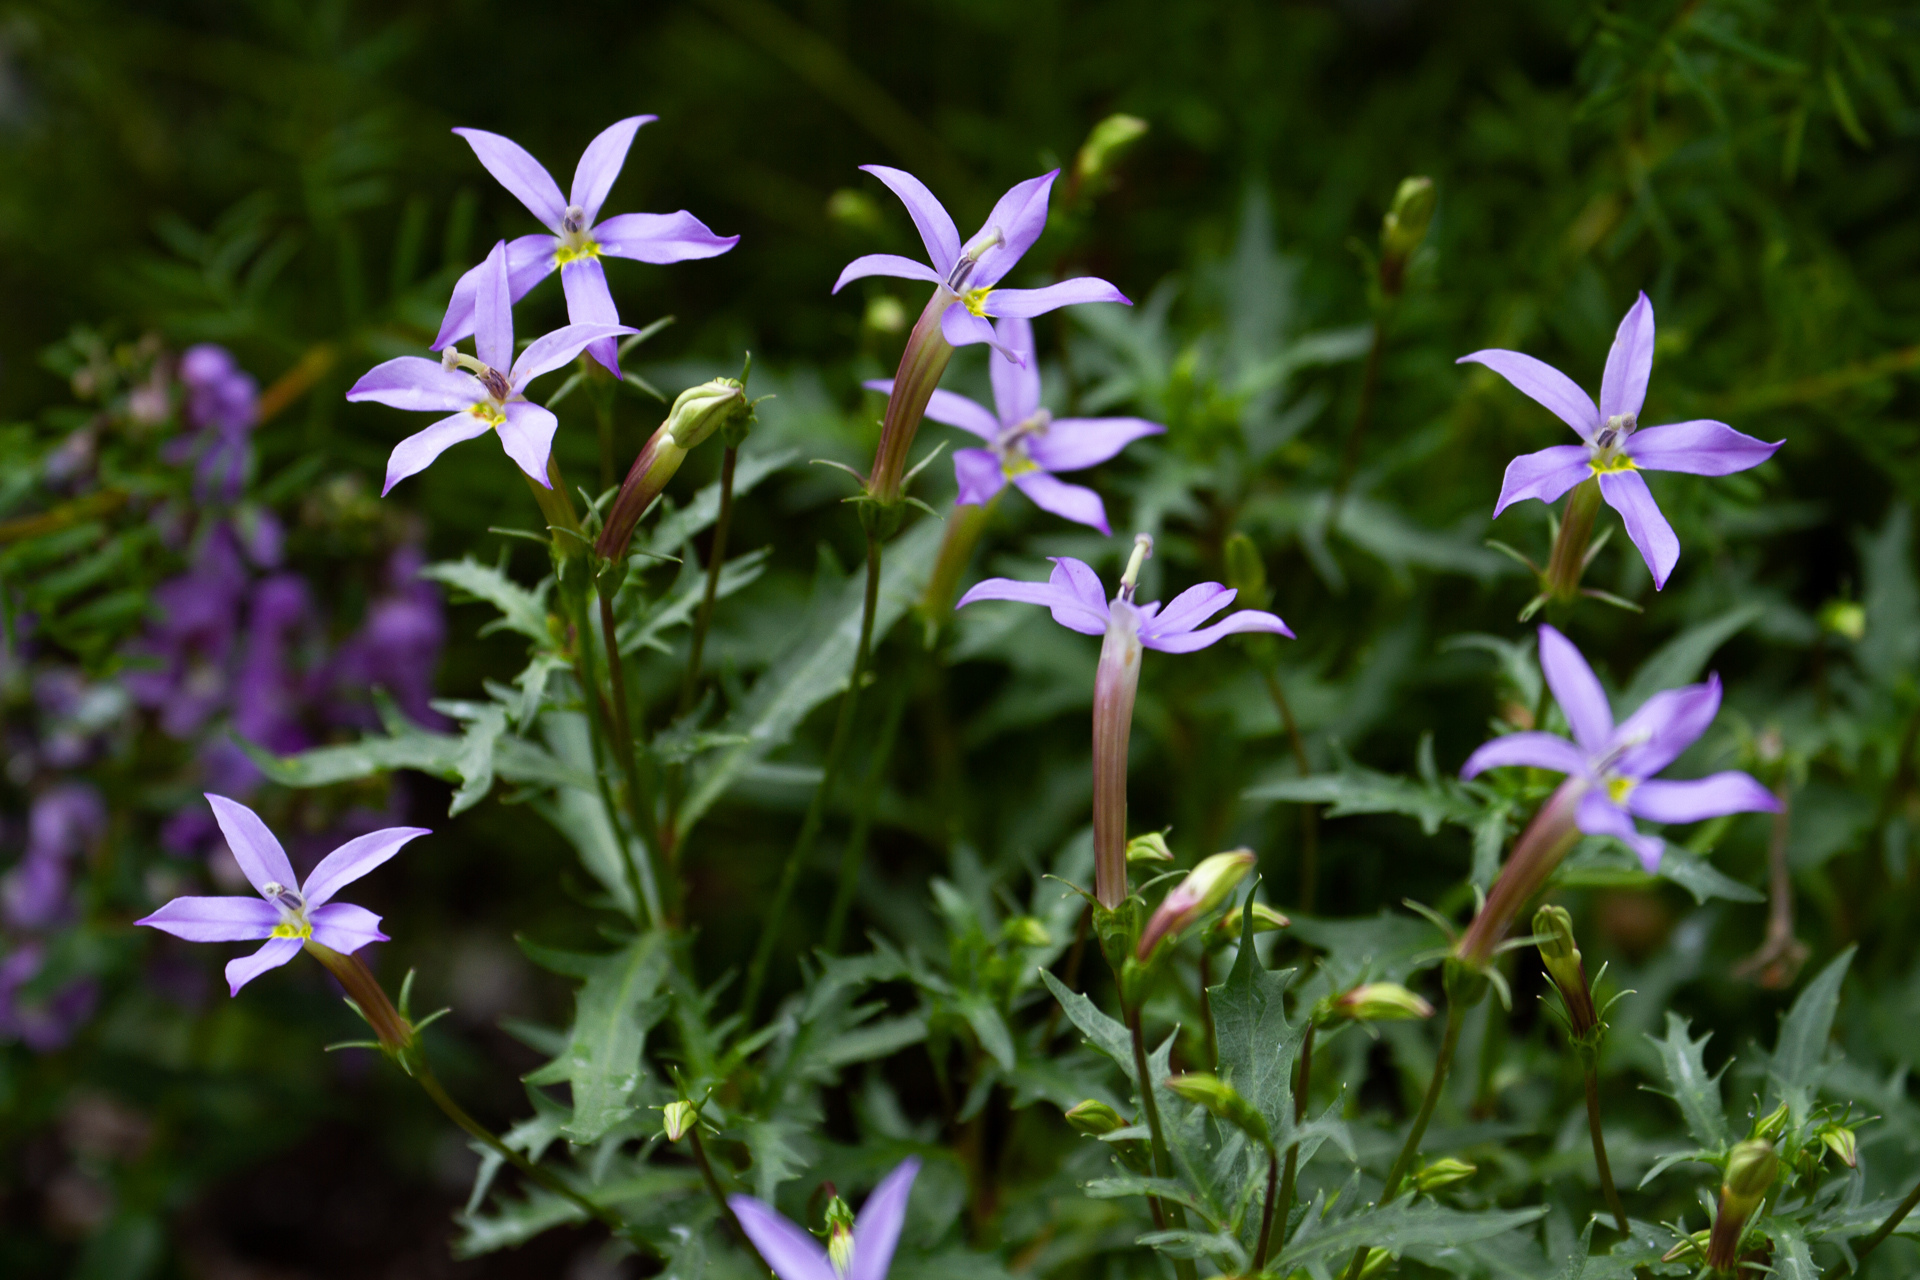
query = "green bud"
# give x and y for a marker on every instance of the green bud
(1105, 143)
(700, 411)
(1554, 926)
(1381, 1002)
(1151, 847)
(1405, 225)
(1444, 1173)
(856, 210)
(1750, 1171)
(885, 314)
(839, 1235)
(1246, 572)
(1842, 1142)
(677, 1118)
(1095, 1119)
(1265, 920)
(1221, 1100)
(1844, 618)
(1205, 888)
(1026, 931)
(1771, 1125)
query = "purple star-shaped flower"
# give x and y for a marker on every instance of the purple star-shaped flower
(286, 916)
(1025, 443)
(578, 241)
(483, 393)
(1074, 595)
(1615, 450)
(971, 272)
(1614, 764)
(794, 1254)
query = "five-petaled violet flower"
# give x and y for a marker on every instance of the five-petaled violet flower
(287, 914)
(1614, 448)
(1613, 766)
(969, 274)
(483, 392)
(863, 1251)
(578, 240)
(1073, 593)
(1025, 443)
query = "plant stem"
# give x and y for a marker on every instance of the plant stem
(965, 523)
(1175, 1214)
(830, 772)
(1363, 415)
(1449, 1041)
(1568, 559)
(1309, 814)
(1300, 1090)
(719, 1195)
(599, 733)
(1880, 1233)
(855, 852)
(1266, 1213)
(1600, 1152)
(716, 557)
(1206, 1009)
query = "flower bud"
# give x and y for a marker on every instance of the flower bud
(1104, 144)
(1554, 926)
(1844, 618)
(1381, 1002)
(1246, 572)
(1222, 1101)
(678, 1117)
(1265, 920)
(1151, 847)
(700, 411)
(1205, 887)
(1771, 1125)
(1405, 225)
(1842, 1142)
(839, 1235)
(1751, 1168)
(1444, 1173)
(1025, 931)
(1094, 1118)
(719, 405)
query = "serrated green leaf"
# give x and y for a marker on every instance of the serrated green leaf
(1801, 1049)
(1394, 1228)
(1258, 1045)
(1696, 1093)
(618, 1002)
(1682, 659)
(1357, 790)
(466, 758)
(1103, 1033)
(521, 610)
(672, 533)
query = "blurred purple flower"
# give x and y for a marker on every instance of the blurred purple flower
(189, 647)
(42, 1025)
(794, 1254)
(221, 406)
(1615, 449)
(1025, 443)
(1613, 766)
(481, 394)
(578, 240)
(398, 646)
(63, 820)
(285, 916)
(969, 274)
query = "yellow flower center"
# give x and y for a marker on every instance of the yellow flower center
(975, 300)
(574, 248)
(489, 412)
(1618, 789)
(293, 928)
(1604, 464)
(1017, 463)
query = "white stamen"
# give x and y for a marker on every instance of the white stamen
(1142, 551)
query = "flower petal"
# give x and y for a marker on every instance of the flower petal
(589, 301)
(254, 847)
(1544, 384)
(960, 327)
(215, 919)
(1191, 608)
(1535, 750)
(549, 351)
(345, 927)
(245, 969)
(1544, 475)
(1582, 701)
(1232, 624)
(1069, 610)
(414, 382)
(1019, 216)
(1623, 385)
(945, 406)
(1701, 447)
(877, 1229)
(527, 436)
(1729, 792)
(884, 264)
(1664, 726)
(1070, 444)
(930, 217)
(979, 474)
(530, 259)
(1599, 816)
(1068, 501)
(417, 452)
(601, 163)
(354, 859)
(520, 174)
(1016, 385)
(660, 238)
(1627, 493)
(1079, 578)
(1037, 302)
(791, 1252)
(493, 311)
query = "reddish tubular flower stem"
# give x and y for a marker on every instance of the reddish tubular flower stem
(1569, 557)
(965, 523)
(1539, 850)
(921, 365)
(1115, 682)
(394, 1032)
(659, 458)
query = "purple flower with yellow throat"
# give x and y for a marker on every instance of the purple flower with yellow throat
(482, 392)
(576, 239)
(1614, 448)
(858, 1248)
(1024, 443)
(1074, 596)
(288, 914)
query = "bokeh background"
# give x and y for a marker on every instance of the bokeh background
(278, 178)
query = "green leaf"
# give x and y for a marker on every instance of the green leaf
(671, 534)
(1792, 1259)
(521, 610)
(1889, 652)
(1384, 948)
(1103, 1033)
(1801, 1050)
(1695, 1092)
(617, 1003)
(1258, 1045)
(466, 758)
(1360, 790)
(1682, 659)
(1394, 1228)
